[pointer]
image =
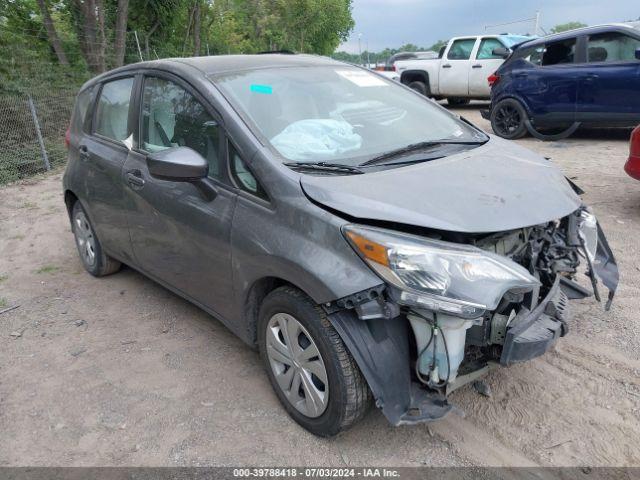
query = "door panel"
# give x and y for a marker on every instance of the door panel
(549, 82)
(178, 235)
(101, 157)
(609, 84)
(454, 68)
(485, 64)
(103, 191)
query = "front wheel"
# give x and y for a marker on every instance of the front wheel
(313, 374)
(508, 119)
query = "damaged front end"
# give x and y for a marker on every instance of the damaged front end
(458, 304)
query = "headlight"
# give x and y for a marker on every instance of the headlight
(458, 279)
(589, 233)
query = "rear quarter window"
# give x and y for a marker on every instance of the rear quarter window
(532, 55)
(79, 115)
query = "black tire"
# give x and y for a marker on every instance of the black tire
(418, 86)
(508, 119)
(456, 101)
(99, 263)
(349, 397)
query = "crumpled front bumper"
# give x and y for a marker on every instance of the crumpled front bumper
(532, 333)
(381, 346)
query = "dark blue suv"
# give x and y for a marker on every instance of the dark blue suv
(588, 76)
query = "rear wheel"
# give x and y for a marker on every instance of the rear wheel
(508, 119)
(418, 86)
(93, 258)
(314, 376)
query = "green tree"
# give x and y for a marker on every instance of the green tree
(563, 27)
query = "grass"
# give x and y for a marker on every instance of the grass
(17, 237)
(48, 269)
(29, 205)
(3, 302)
(3, 278)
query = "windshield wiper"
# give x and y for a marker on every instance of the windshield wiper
(415, 147)
(324, 166)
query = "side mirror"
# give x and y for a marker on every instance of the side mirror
(179, 164)
(638, 53)
(501, 52)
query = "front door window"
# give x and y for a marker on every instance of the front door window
(172, 117)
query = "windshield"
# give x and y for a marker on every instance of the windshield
(338, 114)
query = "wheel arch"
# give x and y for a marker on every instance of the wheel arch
(254, 297)
(70, 200)
(409, 76)
(517, 98)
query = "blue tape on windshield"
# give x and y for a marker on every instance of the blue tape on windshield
(264, 89)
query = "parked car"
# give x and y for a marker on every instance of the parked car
(389, 68)
(314, 208)
(460, 72)
(632, 167)
(588, 76)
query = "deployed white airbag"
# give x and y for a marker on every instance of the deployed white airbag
(316, 139)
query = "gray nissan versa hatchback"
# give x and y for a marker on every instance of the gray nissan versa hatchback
(369, 243)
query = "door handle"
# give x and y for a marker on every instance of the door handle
(476, 66)
(134, 177)
(520, 74)
(83, 152)
(446, 65)
(590, 77)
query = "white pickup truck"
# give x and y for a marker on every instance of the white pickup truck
(460, 73)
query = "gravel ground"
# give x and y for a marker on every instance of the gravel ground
(119, 371)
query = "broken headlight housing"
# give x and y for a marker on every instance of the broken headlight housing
(458, 279)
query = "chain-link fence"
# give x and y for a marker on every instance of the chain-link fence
(37, 94)
(32, 129)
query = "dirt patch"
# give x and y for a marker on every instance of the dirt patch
(119, 371)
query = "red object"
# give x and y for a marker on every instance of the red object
(493, 79)
(632, 167)
(67, 138)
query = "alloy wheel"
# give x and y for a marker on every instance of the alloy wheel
(508, 119)
(297, 365)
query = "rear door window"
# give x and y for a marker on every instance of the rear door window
(461, 49)
(611, 47)
(112, 112)
(557, 53)
(173, 117)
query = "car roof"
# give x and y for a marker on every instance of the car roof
(217, 64)
(632, 27)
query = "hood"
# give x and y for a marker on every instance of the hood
(498, 186)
